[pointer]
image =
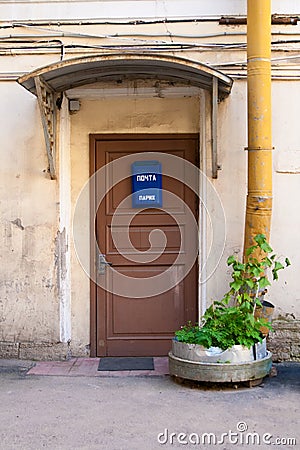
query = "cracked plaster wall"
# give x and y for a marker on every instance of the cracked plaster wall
(29, 220)
(28, 289)
(29, 302)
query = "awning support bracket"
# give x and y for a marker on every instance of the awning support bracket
(214, 128)
(46, 101)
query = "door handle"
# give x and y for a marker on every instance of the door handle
(102, 263)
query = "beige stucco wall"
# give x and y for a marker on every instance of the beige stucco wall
(28, 306)
(44, 295)
(31, 304)
(286, 218)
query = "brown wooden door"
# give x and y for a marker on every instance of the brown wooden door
(133, 326)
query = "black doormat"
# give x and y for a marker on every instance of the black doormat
(126, 363)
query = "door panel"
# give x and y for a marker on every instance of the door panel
(142, 326)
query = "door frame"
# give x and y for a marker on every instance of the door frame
(93, 137)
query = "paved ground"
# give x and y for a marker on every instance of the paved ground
(75, 367)
(90, 412)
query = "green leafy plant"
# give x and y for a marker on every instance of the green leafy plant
(232, 320)
(250, 279)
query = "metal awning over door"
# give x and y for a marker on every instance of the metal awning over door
(49, 81)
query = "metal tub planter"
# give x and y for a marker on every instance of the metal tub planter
(234, 365)
(230, 328)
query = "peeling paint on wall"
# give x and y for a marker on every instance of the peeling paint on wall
(28, 309)
(39, 270)
(61, 248)
(18, 223)
(63, 288)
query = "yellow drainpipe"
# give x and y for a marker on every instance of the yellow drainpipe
(259, 198)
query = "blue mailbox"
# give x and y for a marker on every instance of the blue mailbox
(146, 184)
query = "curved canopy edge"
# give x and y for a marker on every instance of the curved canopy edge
(90, 69)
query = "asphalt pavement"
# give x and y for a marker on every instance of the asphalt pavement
(145, 413)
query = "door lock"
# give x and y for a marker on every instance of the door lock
(102, 263)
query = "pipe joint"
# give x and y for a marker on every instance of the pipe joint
(258, 149)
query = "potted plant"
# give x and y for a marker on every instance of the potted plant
(232, 331)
